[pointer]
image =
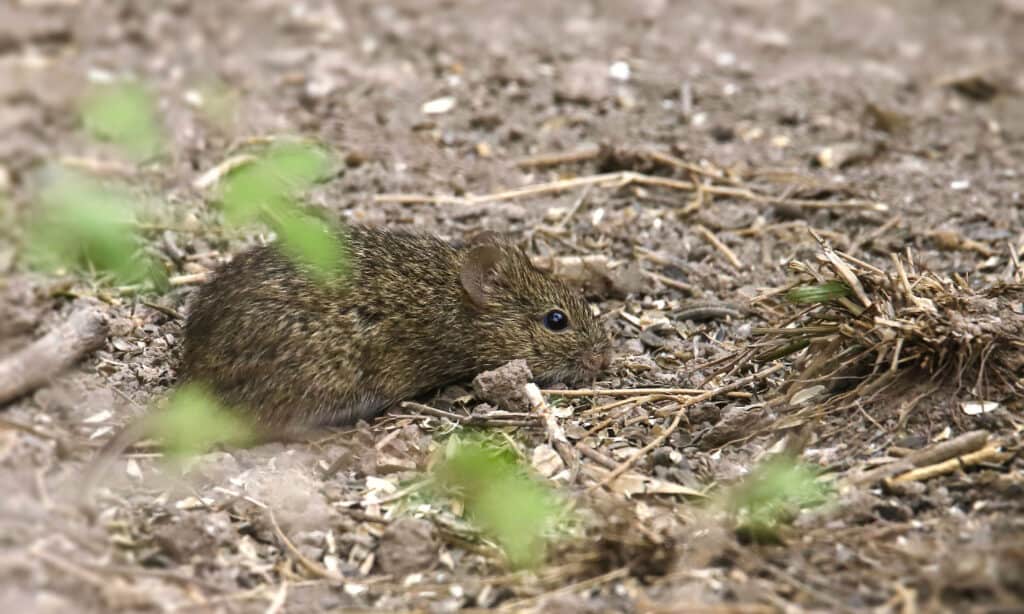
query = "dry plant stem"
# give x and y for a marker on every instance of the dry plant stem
(673, 283)
(715, 242)
(576, 206)
(611, 576)
(34, 366)
(956, 447)
(188, 279)
(623, 392)
(683, 405)
(670, 160)
(875, 234)
(843, 271)
(312, 567)
(593, 151)
(476, 420)
(556, 434)
(601, 459)
(278, 600)
(624, 178)
(13, 425)
(167, 311)
(99, 167)
(992, 451)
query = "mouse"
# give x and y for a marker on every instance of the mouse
(410, 313)
(290, 351)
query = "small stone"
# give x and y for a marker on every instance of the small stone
(408, 545)
(438, 106)
(584, 81)
(666, 456)
(504, 386)
(619, 71)
(840, 155)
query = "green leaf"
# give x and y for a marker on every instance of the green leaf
(820, 293)
(193, 422)
(767, 498)
(500, 497)
(80, 221)
(266, 189)
(125, 114)
(312, 243)
(272, 181)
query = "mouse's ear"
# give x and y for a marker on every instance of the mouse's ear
(478, 272)
(484, 237)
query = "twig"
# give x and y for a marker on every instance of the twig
(472, 420)
(576, 206)
(673, 283)
(14, 425)
(84, 331)
(167, 311)
(589, 583)
(312, 567)
(278, 600)
(683, 405)
(702, 311)
(213, 176)
(99, 167)
(624, 178)
(717, 244)
(556, 434)
(672, 161)
(745, 194)
(991, 451)
(843, 271)
(958, 446)
(870, 237)
(405, 492)
(626, 392)
(601, 459)
(187, 279)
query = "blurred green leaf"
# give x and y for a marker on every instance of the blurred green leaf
(311, 242)
(266, 189)
(81, 221)
(772, 495)
(272, 181)
(500, 497)
(193, 422)
(820, 293)
(125, 114)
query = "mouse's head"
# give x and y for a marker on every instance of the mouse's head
(521, 312)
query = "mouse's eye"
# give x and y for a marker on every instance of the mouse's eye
(556, 320)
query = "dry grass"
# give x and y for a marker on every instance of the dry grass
(855, 329)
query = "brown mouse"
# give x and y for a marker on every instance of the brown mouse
(411, 313)
(290, 351)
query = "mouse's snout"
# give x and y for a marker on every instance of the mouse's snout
(596, 361)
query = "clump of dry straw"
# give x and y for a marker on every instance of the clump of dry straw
(855, 329)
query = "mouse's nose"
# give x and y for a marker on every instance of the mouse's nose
(597, 360)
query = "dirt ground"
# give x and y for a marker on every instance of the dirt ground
(916, 104)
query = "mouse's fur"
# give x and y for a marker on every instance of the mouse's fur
(411, 313)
